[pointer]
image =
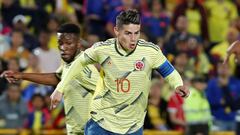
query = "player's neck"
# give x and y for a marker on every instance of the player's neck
(78, 53)
(122, 48)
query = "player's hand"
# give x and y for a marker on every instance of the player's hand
(56, 98)
(234, 48)
(11, 76)
(183, 91)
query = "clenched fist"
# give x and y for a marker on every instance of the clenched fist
(183, 91)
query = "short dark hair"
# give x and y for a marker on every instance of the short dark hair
(128, 17)
(69, 28)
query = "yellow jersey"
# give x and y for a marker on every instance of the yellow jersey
(120, 102)
(77, 95)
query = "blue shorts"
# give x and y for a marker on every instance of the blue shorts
(92, 128)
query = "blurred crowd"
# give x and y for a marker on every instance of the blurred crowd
(193, 34)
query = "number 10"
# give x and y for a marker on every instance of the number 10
(120, 83)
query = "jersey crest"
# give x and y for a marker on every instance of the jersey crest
(139, 65)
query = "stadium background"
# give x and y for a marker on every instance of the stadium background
(193, 34)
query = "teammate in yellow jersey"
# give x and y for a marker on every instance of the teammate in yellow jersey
(78, 93)
(119, 105)
(234, 48)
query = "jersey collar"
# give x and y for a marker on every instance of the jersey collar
(76, 56)
(122, 52)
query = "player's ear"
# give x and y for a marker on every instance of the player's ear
(116, 30)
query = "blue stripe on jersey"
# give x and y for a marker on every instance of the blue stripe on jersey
(165, 69)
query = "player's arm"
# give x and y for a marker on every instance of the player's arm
(74, 70)
(170, 74)
(88, 57)
(40, 78)
(66, 81)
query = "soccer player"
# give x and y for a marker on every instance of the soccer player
(120, 102)
(234, 48)
(79, 91)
